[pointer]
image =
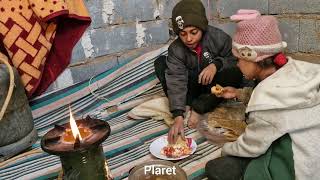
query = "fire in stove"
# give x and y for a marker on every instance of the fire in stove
(78, 144)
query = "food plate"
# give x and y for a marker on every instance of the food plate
(157, 145)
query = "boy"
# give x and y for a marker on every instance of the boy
(197, 60)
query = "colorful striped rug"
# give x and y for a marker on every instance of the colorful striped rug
(108, 96)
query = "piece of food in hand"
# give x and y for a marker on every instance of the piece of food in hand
(230, 135)
(180, 148)
(217, 89)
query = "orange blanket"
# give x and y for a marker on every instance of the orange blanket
(38, 36)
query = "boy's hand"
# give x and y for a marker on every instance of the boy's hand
(176, 129)
(229, 93)
(207, 74)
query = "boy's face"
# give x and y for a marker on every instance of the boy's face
(190, 36)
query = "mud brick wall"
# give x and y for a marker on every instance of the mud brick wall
(124, 29)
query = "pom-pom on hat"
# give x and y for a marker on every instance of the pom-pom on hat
(257, 37)
(189, 13)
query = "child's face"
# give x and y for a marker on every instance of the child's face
(190, 36)
(249, 69)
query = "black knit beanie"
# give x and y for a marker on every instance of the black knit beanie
(189, 13)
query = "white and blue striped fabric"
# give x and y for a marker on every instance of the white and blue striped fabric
(119, 89)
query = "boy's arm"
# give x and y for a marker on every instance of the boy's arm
(224, 45)
(176, 78)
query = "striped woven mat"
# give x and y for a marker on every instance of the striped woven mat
(108, 96)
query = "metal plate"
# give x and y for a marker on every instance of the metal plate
(162, 170)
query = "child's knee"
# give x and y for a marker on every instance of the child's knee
(205, 103)
(226, 168)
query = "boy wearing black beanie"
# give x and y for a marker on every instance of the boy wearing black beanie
(200, 58)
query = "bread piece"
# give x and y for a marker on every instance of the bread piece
(181, 142)
(217, 89)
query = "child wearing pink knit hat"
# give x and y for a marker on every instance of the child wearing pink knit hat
(281, 138)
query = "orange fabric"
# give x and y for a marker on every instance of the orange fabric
(32, 31)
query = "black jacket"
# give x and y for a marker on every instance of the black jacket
(183, 63)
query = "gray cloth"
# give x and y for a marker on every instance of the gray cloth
(227, 168)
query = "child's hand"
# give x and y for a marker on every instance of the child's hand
(228, 93)
(177, 129)
(207, 74)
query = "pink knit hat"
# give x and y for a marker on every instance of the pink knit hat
(257, 37)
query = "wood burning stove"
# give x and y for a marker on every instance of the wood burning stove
(79, 149)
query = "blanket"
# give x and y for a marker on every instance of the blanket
(33, 35)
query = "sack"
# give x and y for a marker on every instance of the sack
(226, 123)
(156, 109)
(17, 130)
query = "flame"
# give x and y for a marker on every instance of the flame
(74, 127)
